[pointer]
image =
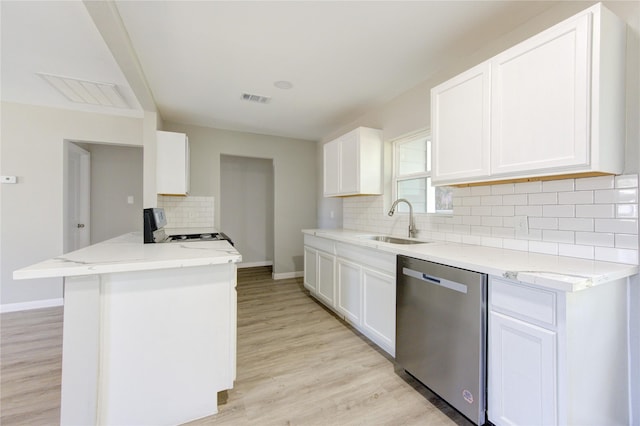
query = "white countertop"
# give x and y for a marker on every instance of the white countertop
(128, 253)
(554, 272)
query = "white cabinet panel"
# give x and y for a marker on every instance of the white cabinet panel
(310, 269)
(172, 163)
(326, 278)
(523, 373)
(460, 125)
(349, 285)
(379, 309)
(353, 163)
(332, 168)
(540, 107)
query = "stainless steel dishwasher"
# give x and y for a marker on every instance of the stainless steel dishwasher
(441, 329)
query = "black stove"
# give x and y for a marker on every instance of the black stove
(212, 236)
(154, 232)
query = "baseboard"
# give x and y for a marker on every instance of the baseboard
(254, 264)
(286, 275)
(35, 304)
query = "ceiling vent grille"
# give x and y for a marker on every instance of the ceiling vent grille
(86, 92)
(255, 98)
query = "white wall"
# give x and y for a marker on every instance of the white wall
(116, 174)
(246, 207)
(295, 175)
(31, 211)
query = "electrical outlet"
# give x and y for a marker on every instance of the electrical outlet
(521, 225)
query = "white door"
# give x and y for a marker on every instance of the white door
(77, 226)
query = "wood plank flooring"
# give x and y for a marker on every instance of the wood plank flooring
(298, 364)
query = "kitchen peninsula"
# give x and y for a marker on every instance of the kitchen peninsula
(149, 332)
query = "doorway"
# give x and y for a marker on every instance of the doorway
(108, 185)
(246, 207)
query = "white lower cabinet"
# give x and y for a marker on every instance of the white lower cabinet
(358, 283)
(326, 277)
(349, 283)
(310, 269)
(379, 313)
(523, 371)
(557, 357)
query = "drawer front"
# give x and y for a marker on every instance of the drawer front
(521, 301)
(371, 258)
(319, 243)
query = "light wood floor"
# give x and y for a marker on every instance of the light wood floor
(298, 364)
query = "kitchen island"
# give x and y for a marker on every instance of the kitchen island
(149, 333)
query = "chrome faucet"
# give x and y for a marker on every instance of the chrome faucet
(412, 226)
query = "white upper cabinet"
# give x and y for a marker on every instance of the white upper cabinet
(172, 163)
(554, 106)
(461, 130)
(353, 163)
(541, 100)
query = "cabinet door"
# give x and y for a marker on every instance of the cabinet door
(331, 170)
(349, 300)
(461, 127)
(310, 269)
(326, 278)
(522, 373)
(540, 105)
(379, 313)
(349, 164)
(172, 163)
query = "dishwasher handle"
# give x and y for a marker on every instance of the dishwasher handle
(451, 285)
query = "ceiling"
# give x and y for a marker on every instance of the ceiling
(194, 60)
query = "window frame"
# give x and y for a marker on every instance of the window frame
(426, 175)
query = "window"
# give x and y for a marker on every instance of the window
(412, 177)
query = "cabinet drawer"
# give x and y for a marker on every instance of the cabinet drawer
(524, 302)
(371, 258)
(319, 243)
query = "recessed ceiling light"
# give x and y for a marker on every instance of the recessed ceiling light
(283, 84)
(86, 92)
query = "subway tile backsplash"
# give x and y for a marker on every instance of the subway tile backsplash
(187, 212)
(590, 218)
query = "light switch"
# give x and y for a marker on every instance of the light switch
(130, 199)
(9, 179)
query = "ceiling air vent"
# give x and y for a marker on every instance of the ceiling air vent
(86, 92)
(255, 98)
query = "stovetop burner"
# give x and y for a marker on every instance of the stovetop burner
(213, 236)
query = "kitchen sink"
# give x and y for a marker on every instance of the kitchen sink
(393, 240)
